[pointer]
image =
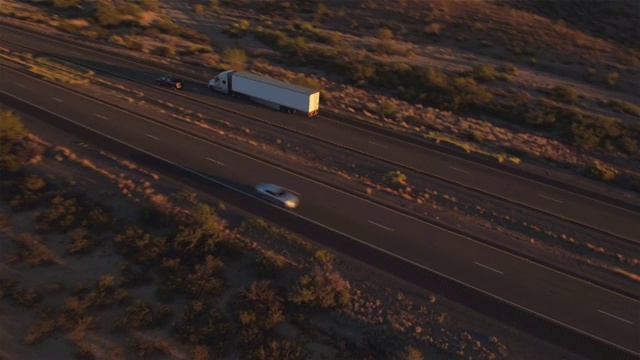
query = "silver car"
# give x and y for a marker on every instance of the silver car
(278, 195)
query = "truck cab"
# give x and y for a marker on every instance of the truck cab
(222, 82)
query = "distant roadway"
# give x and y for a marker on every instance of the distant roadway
(567, 205)
(577, 304)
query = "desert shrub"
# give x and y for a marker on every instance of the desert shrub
(284, 349)
(321, 290)
(387, 108)
(590, 131)
(164, 50)
(198, 231)
(54, 288)
(32, 251)
(60, 215)
(138, 316)
(410, 353)
(198, 49)
(133, 43)
(12, 134)
(433, 29)
(204, 280)
(203, 324)
(83, 301)
(200, 352)
(261, 300)
(214, 4)
(27, 297)
(258, 228)
(322, 12)
(508, 69)
(600, 171)
(81, 241)
(384, 34)
(395, 178)
(98, 218)
(269, 264)
(323, 258)
(31, 192)
(149, 347)
(236, 58)
(624, 107)
(4, 222)
(141, 246)
(237, 29)
(66, 4)
(612, 79)
(198, 8)
(563, 94)
(483, 72)
(117, 39)
(108, 15)
(7, 288)
(41, 330)
(306, 81)
(68, 26)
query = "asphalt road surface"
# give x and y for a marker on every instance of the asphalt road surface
(587, 308)
(567, 205)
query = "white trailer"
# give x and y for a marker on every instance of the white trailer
(280, 95)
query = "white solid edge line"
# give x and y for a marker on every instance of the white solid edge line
(488, 267)
(215, 161)
(334, 189)
(616, 317)
(336, 231)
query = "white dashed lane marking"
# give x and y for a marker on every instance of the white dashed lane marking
(490, 268)
(382, 226)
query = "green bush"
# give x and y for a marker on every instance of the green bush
(198, 231)
(204, 325)
(563, 94)
(600, 171)
(508, 69)
(132, 43)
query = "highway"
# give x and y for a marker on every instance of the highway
(577, 304)
(566, 205)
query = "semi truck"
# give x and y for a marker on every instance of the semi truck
(270, 92)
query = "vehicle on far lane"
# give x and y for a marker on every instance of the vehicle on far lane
(278, 195)
(170, 81)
